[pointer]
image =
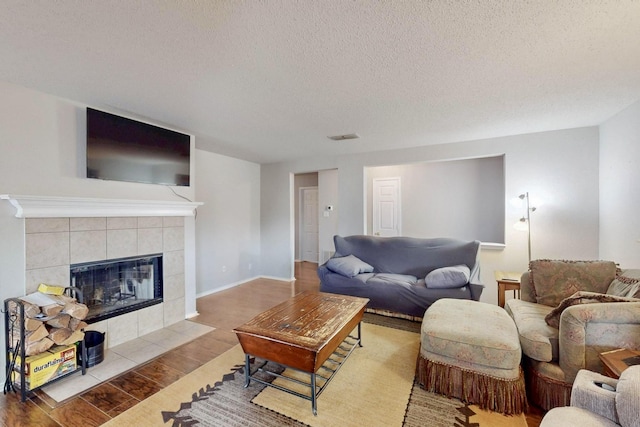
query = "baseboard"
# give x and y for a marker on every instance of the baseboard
(225, 287)
(234, 284)
(280, 279)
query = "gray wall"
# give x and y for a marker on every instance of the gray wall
(560, 167)
(228, 224)
(620, 188)
(329, 220)
(463, 199)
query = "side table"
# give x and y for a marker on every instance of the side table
(614, 361)
(507, 285)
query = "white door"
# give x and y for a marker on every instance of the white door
(309, 223)
(386, 207)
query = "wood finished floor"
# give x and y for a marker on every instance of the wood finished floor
(224, 310)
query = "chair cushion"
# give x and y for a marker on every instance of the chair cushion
(554, 281)
(539, 341)
(393, 279)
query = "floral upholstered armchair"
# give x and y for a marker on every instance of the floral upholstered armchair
(570, 312)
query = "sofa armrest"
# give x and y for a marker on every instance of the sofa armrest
(476, 290)
(588, 393)
(323, 271)
(588, 329)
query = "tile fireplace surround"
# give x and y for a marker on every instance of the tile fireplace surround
(64, 231)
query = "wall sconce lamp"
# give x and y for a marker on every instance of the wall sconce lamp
(524, 224)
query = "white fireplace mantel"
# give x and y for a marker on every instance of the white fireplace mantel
(67, 207)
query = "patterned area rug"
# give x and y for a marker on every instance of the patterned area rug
(208, 402)
(371, 388)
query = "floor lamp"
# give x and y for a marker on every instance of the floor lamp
(525, 222)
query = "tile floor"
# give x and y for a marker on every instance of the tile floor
(127, 356)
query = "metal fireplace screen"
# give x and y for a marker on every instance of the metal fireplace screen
(117, 286)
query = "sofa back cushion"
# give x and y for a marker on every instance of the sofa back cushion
(410, 255)
(554, 280)
(526, 288)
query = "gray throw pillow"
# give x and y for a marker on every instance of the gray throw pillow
(349, 266)
(448, 277)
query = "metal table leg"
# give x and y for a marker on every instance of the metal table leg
(314, 397)
(247, 371)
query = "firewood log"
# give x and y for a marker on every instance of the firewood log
(31, 324)
(38, 347)
(30, 310)
(75, 324)
(60, 321)
(37, 335)
(76, 310)
(74, 337)
(52, 309)
(62, 299)
(59, 335)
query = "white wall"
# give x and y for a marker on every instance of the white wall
(559, 166)
(228, 224)
(329, 219)
(42, 141)
(42, 152)
(619, 188)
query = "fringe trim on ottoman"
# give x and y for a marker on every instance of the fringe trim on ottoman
(545, 392)
(492, 393)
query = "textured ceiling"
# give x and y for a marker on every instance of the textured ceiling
(270, 80)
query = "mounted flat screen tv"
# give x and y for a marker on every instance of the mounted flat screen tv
(122, 149)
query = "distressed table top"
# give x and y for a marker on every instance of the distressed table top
(302, 331)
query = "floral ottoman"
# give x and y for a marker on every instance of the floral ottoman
(471, 350)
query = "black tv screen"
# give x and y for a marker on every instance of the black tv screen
(122, 149)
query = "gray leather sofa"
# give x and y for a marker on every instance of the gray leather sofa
(402, 275)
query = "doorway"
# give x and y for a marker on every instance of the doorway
(386, 207)
(309, 224)
(301, 181)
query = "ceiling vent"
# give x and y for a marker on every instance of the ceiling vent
(343, 137)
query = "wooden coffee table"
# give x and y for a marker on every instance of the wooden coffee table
(302, 333)
(614, 361)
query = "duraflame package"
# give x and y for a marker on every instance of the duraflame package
(47, 366)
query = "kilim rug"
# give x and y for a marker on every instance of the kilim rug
(374, 387)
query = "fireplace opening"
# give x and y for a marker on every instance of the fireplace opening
(117, 286)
